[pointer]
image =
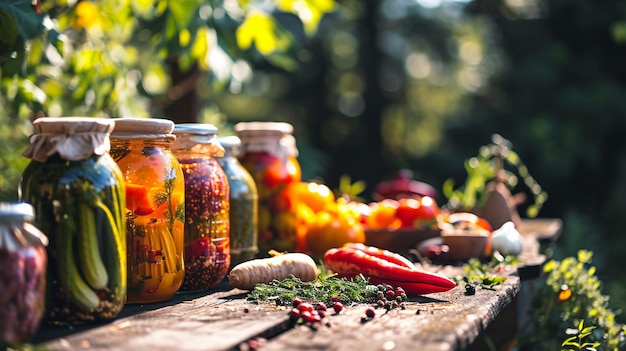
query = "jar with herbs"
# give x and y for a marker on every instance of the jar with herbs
(207, 206)
(243, 203)
(77, 192)
(269, 153)
(23, 260)
(154, 208)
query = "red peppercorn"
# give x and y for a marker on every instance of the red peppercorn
(296, 302)
(304, 306)
(391, 295)
(338, 307)
(370, 313)
(294, 313)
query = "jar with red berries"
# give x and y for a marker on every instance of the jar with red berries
(23, 260)
(207, 206)
(155, 207)
(269, 153)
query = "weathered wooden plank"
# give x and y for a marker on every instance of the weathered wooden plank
(224, 320)
(444, 321)
(218, 321)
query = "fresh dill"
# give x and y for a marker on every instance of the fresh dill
(323, 289)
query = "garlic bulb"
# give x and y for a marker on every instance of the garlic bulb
(507, 240)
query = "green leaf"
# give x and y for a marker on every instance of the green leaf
(9, 31)
(28, 22)
(183, 11)
(310, 12)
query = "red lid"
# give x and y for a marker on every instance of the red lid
(403, 185)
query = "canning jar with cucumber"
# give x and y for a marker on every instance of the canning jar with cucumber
(155, 207)
(78, 194)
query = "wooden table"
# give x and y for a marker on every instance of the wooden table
(223, 319)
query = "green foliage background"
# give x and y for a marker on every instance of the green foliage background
(370, 86)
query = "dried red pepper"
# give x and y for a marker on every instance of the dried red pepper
(348, 262)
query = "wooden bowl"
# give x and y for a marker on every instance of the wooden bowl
(401, 240)
(464, 245)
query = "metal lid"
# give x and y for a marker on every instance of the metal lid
(231, 145)
(195, 128)
(17, 230)
(20, 211)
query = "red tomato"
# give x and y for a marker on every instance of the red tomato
(417, 212)
(267, 170)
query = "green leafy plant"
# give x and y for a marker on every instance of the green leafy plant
(495, 161)
(484, 274)
(572, 294)
(115, 58)
(351, 191)
(577, 342)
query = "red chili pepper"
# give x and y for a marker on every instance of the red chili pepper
(347, 262)
(382, 253)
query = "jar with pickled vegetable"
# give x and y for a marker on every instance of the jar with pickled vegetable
(23, 260)
(155, 207)
(77, 192)
(207, 206)
(269, 153)
(243, 203)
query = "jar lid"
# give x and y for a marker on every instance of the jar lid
(143, 128)
(14, 215)
(195, 128)
(72, 138)
(197, 138)
(21, 211)
(264, 127)
(231, 144)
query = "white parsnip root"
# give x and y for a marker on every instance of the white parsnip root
(263, 270)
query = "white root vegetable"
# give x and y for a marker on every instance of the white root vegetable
(263, 270)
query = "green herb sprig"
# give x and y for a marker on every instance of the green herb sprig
(477, 273)
(323, 289)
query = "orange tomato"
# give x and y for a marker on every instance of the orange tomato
(383, 214)
(304, 218)
(315, 195)
(328, 230)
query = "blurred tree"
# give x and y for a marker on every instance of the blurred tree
(560, 97)
(115, 58)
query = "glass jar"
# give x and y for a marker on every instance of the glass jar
(243, 203)
(207, 206)
(155, 207)
(23, 260)
(77, 191)
(269, 153)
